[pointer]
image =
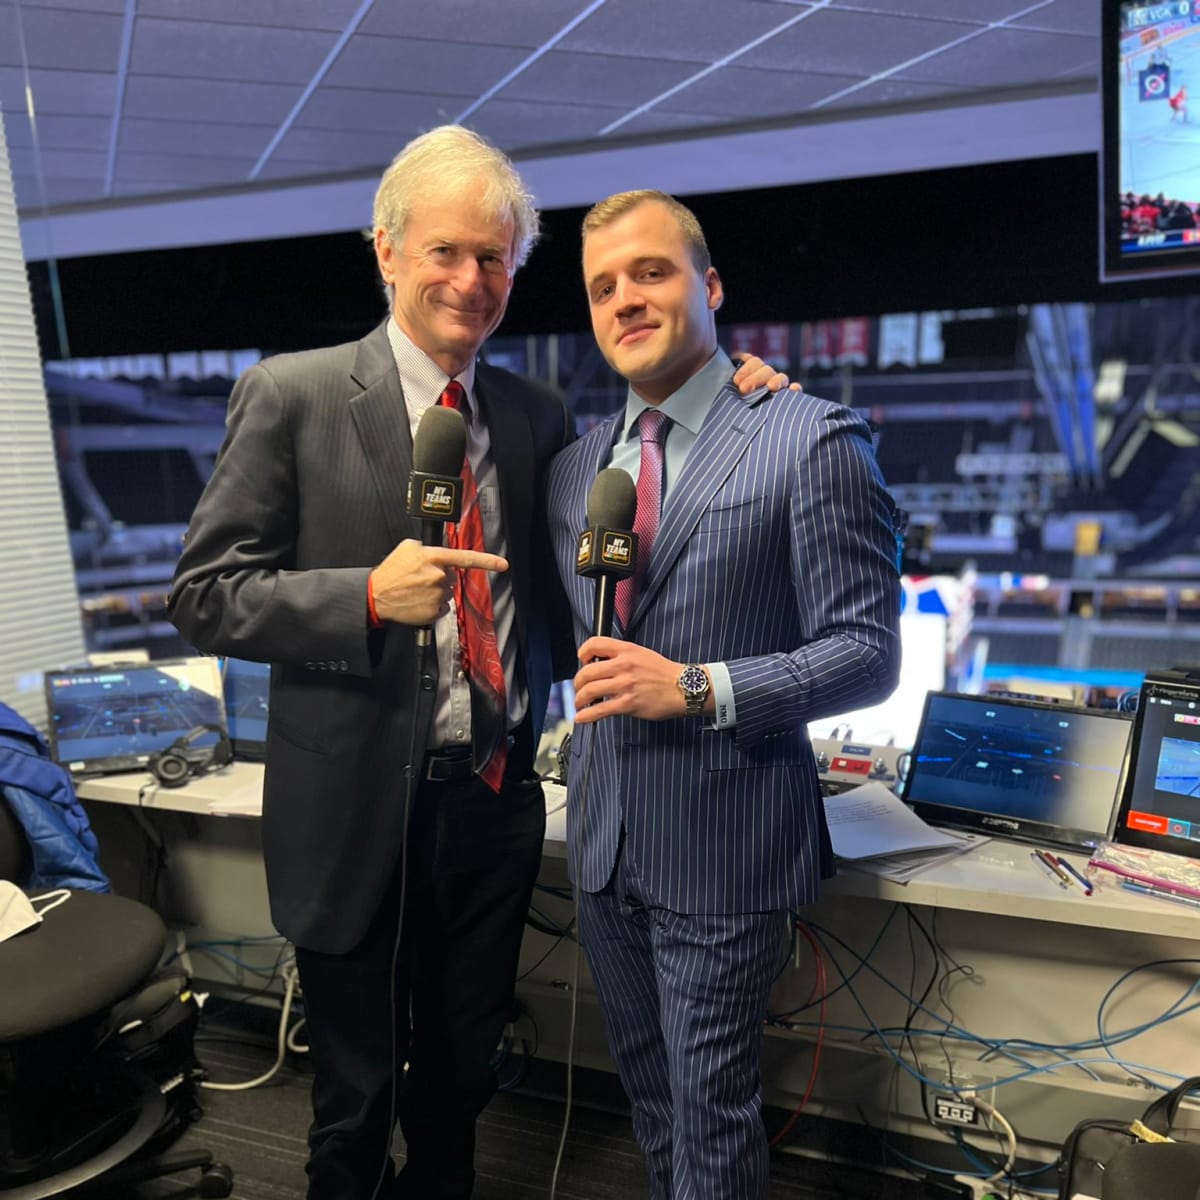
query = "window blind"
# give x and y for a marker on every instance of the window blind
(39, 606)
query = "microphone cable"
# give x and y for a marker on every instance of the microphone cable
(607, 552)
(576, 974)
(439, 442)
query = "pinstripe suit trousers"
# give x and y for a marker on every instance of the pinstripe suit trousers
(684, 997)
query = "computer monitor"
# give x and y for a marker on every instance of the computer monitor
(1150, 176)
(247, 695)
(1160, 808)
(1023, 769)
(113, 718)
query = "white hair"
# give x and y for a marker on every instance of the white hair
(451, 160)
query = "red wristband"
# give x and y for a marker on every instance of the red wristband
(372, 616)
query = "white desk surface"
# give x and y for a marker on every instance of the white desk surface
(996, 877)
(236, 791)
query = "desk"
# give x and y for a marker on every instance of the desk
(215, 886)
(1042, 959)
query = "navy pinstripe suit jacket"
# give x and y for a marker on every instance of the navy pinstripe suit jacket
(776, 554)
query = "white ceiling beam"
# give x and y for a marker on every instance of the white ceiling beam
(1000, 128)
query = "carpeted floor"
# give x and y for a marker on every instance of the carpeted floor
(260, 1133)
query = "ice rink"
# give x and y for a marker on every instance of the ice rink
(1158, 154)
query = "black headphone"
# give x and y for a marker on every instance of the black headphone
(175, 765)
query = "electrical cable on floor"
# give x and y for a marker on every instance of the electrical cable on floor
(819, 987)
(291, 979)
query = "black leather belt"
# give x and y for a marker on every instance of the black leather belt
(449, 764)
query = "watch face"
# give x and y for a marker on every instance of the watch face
(693, 681)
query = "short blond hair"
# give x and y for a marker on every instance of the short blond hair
(607, 211)
(449, 160)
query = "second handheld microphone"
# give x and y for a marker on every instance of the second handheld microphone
(608, 546)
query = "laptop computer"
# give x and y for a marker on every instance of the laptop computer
(113, 718)
(247, 690)
(1024, 769)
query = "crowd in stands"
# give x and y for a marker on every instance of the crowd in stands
(1153, 214)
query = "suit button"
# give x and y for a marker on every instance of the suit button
(308, 666)
(345, 665)
(427, 683)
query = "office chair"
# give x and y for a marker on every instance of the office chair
(73, 1109)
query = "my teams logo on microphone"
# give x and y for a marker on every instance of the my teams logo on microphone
(437, 498)
(584, 557)
(616, 549)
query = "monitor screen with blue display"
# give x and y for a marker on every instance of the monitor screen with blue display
(106, 719)
(1049, 773)
(247, 688)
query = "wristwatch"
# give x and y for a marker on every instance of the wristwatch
(693, 683)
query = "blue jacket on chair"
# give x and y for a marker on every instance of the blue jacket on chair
(41, 796)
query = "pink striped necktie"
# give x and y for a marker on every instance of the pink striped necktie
(653, 427)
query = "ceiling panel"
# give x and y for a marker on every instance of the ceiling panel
(69, 6)
(212, 86)
(70, 41)
(207, 138)
(191, 169)
(857, 43)
(64, 133)
(522, 123)
(742, 93)
(163, 96)
(30, 195)
(1079, 17)
(682, 30)
(398, 113)
(492, 24)
(66, 92)
(885, 93)
(201, 50)
(341, 148)
(1000, 58)
(282, 14)
(406, 65)
(663, 120)
(61, 164)
(626, 82)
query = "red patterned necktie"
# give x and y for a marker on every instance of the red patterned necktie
(479, 653)
(653, 427)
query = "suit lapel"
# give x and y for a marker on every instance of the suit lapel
(730, 426)
(381, 419)
(512, 451)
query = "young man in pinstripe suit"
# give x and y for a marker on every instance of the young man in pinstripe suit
(766, 595)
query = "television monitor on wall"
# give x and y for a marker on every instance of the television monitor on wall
(1150, 160)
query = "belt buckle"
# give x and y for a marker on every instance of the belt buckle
(443, 766)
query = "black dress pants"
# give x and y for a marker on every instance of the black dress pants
(439, 1005)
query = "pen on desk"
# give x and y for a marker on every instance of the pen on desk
(1052, 862)
(1070, 870)
(1041, 862)
(1162, 893)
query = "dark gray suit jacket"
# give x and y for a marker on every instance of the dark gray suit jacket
(307, 495)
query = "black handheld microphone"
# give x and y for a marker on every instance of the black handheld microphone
(608, 546)
(435, 483)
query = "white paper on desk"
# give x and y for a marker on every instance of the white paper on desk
(244, 801)
(900, 868)
(870, 821)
